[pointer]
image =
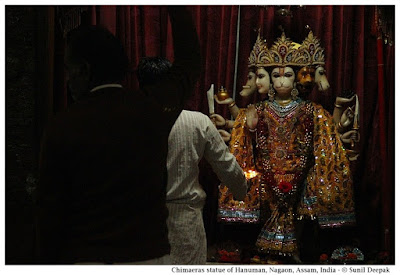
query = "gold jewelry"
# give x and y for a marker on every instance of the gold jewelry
(294, 93)
(232, 104)
(284, 52)
(284, 102)
(259, 46)
(271, 94)
(314, 51)
(338, 105)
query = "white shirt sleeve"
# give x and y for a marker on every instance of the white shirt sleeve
(223, 163)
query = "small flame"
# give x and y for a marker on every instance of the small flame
(249, 174)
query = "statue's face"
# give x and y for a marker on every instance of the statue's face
(306, 77)
(250, 86)
(320, 79)
(262, 81)
(283, 80)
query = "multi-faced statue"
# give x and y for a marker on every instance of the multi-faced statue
(250, 87)
(305, 80)
(320, 79)
(262, 80)
(284, 140)
(283, 82)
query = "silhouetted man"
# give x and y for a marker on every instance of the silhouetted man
(102, 187)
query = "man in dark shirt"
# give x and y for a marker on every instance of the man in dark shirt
(102, 187)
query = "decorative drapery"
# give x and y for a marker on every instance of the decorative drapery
(357, 58)
(146, 31)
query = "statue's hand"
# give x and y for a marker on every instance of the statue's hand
(343, 100)
(350, 136)
(347, 117)
(225, 135)
(229, 100)
(218, 120)
(251, 117)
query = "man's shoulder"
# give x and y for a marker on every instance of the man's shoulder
(193, 119)
(194, 114)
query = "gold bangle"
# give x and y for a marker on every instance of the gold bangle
(232, 104)
(338, 106)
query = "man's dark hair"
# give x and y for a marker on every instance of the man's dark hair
(102, 50)
(152, 69)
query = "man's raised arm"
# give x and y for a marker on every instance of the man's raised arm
(178, 84)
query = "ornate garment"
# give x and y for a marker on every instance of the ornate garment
(303, 170)
(248, 210)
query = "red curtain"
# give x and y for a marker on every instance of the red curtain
(355, 60)
(146, 31)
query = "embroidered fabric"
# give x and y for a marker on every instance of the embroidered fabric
(302, 165)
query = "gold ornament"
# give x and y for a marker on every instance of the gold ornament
(312, 50)
(294, 93)
(222, 94)
(259, 48)
(271, 93)
(284, 52)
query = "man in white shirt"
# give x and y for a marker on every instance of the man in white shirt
(192, 137)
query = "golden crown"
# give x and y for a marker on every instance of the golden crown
(259, 49)
(285, 52)
(313, 50)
